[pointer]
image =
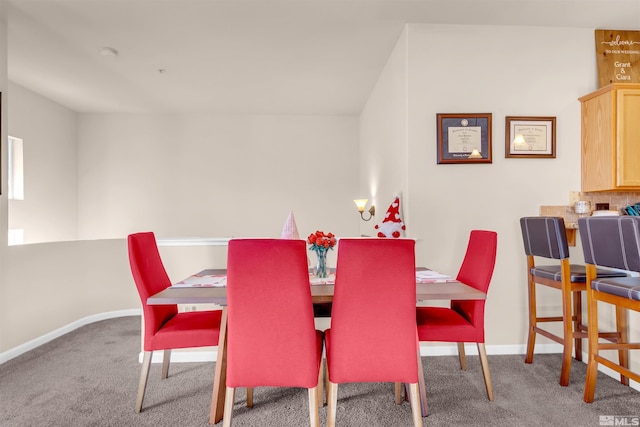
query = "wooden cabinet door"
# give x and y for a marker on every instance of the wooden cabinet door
(628, 138)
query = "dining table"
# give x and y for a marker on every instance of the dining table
(209, 287)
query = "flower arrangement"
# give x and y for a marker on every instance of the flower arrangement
(320, 242)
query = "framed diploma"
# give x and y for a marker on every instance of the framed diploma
(464, 138)
(530, 137)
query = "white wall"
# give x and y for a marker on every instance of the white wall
(511, 71)
(506, 71)
(215, 175)
(49, 211)
(51, 285)
(383, 138)
(3, 169)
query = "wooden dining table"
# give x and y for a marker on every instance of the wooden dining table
(426, 290)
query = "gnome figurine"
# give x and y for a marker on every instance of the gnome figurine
(392, 225)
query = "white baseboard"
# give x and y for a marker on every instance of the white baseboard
(36, 342)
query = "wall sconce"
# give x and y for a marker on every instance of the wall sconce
(361, 204)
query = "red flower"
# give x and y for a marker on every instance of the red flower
(320, 240)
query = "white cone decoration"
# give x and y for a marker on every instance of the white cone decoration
(290, 230)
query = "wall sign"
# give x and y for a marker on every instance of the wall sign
(618, 55)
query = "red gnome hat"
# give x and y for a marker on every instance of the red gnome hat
(392, 225)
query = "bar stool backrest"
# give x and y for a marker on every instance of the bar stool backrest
(544, 237)
(612, 242)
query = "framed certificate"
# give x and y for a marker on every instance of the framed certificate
(530, 137)
(464, 138)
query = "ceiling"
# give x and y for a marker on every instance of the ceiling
(244, 56)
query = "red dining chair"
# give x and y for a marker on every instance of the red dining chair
(164, 327)
(463, 321)
(373, 327)
(271, 336)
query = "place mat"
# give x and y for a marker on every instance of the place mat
(202, 281)
(330, 280)
(430, 276)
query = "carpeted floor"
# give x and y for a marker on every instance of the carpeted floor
(89, 378)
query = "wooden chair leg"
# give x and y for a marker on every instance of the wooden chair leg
(577, 323)
(398, 393)
(422, 390)
(623, 331)
(249, 397)
(230, 396)
(531, 340)
(462, 356)
(144, 375)
(216, 411)
(321, 387)
(166, 359)
(484, 362)
(567, 326)
(332, 403)
(314, 415)
(592, 332)
(415, 405)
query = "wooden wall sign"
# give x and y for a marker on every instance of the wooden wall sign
(618, 55)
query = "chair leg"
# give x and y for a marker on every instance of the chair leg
(398, 393)
(421, 386)
(484, 362)
(462, 356)
(531, 340)
(592, 333)
(166, 359)
(314, 415)
(332, 403)
(623, 331)
(415, 405)
(230, 396)
(567, 326)
(577, 323)
(321, 387)
(249, 397)
(144, 375)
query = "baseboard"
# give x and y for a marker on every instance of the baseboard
(36, 342)
(472, 350)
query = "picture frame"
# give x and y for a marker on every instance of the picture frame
(464, 138)
(530, 137)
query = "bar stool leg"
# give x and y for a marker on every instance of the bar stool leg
(531, 340)
(623, 330)
(567, 314)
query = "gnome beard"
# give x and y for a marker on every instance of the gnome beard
(390, 229)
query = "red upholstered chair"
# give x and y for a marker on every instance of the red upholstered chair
(373, 327)
(463, 321)
(164, 327)
(271, 337)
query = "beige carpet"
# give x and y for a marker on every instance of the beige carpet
(89, 378)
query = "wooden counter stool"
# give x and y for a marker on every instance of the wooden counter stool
(612, 242)
(546, 237)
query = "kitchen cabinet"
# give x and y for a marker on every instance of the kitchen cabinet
(611, 138)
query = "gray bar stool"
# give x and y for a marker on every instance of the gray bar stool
(546, 237)
(612, 242)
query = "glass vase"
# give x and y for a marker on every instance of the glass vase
(321, 269)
